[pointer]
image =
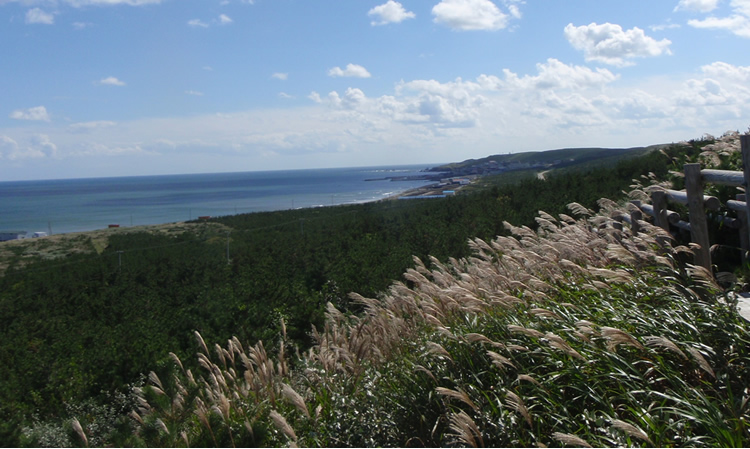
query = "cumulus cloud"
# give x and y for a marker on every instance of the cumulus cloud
(697, 5)
(315, 97)
(36, 15)
(38, 146)
(389, 12)
(224, 19)
(610, 44)
(468, 15)
(737, 23)
(43, 144)
(351, 70)
(8, 146)
(556, 75)
(722, 84)
(111, 81)
(37, 113)
(280, 76)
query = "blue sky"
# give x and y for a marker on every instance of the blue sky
(93, 88)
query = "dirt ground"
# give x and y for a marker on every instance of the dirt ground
(59, 246)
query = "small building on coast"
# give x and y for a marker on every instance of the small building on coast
(12, 235)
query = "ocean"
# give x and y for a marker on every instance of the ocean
(76, 205)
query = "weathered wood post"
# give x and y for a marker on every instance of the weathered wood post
(659, 201)
(745, 148)
(744, 232)
(635, 216)
(698, 224)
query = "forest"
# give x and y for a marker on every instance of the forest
(80, 334)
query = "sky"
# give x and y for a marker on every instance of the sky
(95, 88)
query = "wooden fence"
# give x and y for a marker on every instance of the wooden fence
(697, 203)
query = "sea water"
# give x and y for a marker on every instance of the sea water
(74, 205)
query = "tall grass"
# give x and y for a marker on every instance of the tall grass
(577, 334)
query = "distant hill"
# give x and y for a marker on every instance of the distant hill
(545, 159)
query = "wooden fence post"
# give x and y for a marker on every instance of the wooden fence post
(698, 224)
(636, 215)
(659, 201)
(742, 217)
(745, 148)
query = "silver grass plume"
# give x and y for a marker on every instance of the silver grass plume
(79, 431)
(282, 425)
(631, 430)
(570, 440)
(516, 403)
(654, 341)
(466, 429)
(457, 394)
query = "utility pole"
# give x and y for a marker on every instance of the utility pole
(228, 261)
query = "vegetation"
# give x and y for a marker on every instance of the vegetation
(559, 331)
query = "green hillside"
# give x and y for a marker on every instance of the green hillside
(565, 156)
(509, 329)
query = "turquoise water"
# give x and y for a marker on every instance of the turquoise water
(74, 205)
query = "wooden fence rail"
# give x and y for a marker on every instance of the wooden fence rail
(697, 203)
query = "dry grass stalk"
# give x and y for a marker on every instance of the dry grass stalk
(500, 361)
(525, 331)
(79, 431)
(631, 430)
(558, 342)
(457, 394)
(702, 362)
(466, 429)
(527, 378)
(544, 313)
(617, 337)
(295, 398)
(281, 424)
(516, 403)
(570, 440)
(653, 341)
(438, 349)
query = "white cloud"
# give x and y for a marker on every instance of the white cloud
(608, 43)
(38, 146)
(664, 26)
(224, 19)
(389, 12)
(352, 70)
(197, 23)
(737, 23)
(88, 126)
(315, 97)
(727, 71)
(42, 143)
(194, 93)
(82, 3)
(556, 75)
(558, 104)
(286, 96)
(470, 15)
(111, 81)
(697, 5)
(280, 76)
(36, 15)
(37, 113)
(8, 146)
